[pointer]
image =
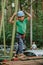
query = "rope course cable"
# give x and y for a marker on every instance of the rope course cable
(13, 33)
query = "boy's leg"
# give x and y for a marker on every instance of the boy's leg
(20, 46)
(19, 51)
(19, 40)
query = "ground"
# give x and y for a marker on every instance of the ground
(29, 62)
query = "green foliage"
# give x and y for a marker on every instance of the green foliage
(37, 23)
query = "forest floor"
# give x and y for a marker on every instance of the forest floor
(25, 62)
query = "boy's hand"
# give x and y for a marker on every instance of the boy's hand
(14, 14)
(28, 14)
(11, 18)
(12, 22)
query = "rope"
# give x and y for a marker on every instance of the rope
(2, 24)
(13, 33)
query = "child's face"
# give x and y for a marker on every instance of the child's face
(21, 18)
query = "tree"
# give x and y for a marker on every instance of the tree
(42, 4)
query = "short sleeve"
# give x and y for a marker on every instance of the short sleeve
(16, 22)
(26, 20)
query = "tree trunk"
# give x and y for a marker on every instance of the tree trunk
(0, 17)
(42, 5)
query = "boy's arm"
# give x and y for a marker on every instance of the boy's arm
(12, 17)
(29, 15)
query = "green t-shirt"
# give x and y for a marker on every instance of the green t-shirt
(21, 26)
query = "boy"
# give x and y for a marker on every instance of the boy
(34, 47)
(21, 30)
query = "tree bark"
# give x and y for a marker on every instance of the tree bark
(42, 5)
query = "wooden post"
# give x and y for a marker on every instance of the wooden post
(31, 27)
(13, 32)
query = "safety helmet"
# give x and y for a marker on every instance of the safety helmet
(20, 13)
